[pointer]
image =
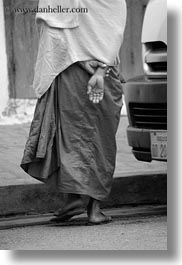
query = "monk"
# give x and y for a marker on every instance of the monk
(79, 90)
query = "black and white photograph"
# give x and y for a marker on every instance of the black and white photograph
(83, 125)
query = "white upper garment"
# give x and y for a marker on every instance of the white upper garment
(66, 39)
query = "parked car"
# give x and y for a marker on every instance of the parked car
(146, 96)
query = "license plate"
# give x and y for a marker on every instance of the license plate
(159, 145)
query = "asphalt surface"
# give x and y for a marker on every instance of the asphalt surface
(132, 233)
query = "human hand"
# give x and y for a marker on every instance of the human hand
(91, 66)
(95, 88)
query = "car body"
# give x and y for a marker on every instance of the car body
(146, 95)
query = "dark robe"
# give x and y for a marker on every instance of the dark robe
(72, 138)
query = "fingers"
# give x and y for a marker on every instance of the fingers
(96, 97)
(96, 94)
(102, 65)
(92, 65)
(89, 89)
(95, 88)
(89, 68)
(98, 64)
(101, 96)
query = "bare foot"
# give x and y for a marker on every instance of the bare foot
(73, 204)
(95, 216)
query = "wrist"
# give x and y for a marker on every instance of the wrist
(102, 71)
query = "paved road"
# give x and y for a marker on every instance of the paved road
(134, 233)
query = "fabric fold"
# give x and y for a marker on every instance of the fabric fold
(41, 155)
(72, 141)
(99, 36)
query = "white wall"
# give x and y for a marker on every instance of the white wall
(3, 63)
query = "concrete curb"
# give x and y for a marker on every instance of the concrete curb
(124, 213)
(41, 199)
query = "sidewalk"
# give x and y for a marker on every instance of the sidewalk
(13, 179)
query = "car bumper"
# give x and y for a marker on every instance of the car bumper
(146, 103)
